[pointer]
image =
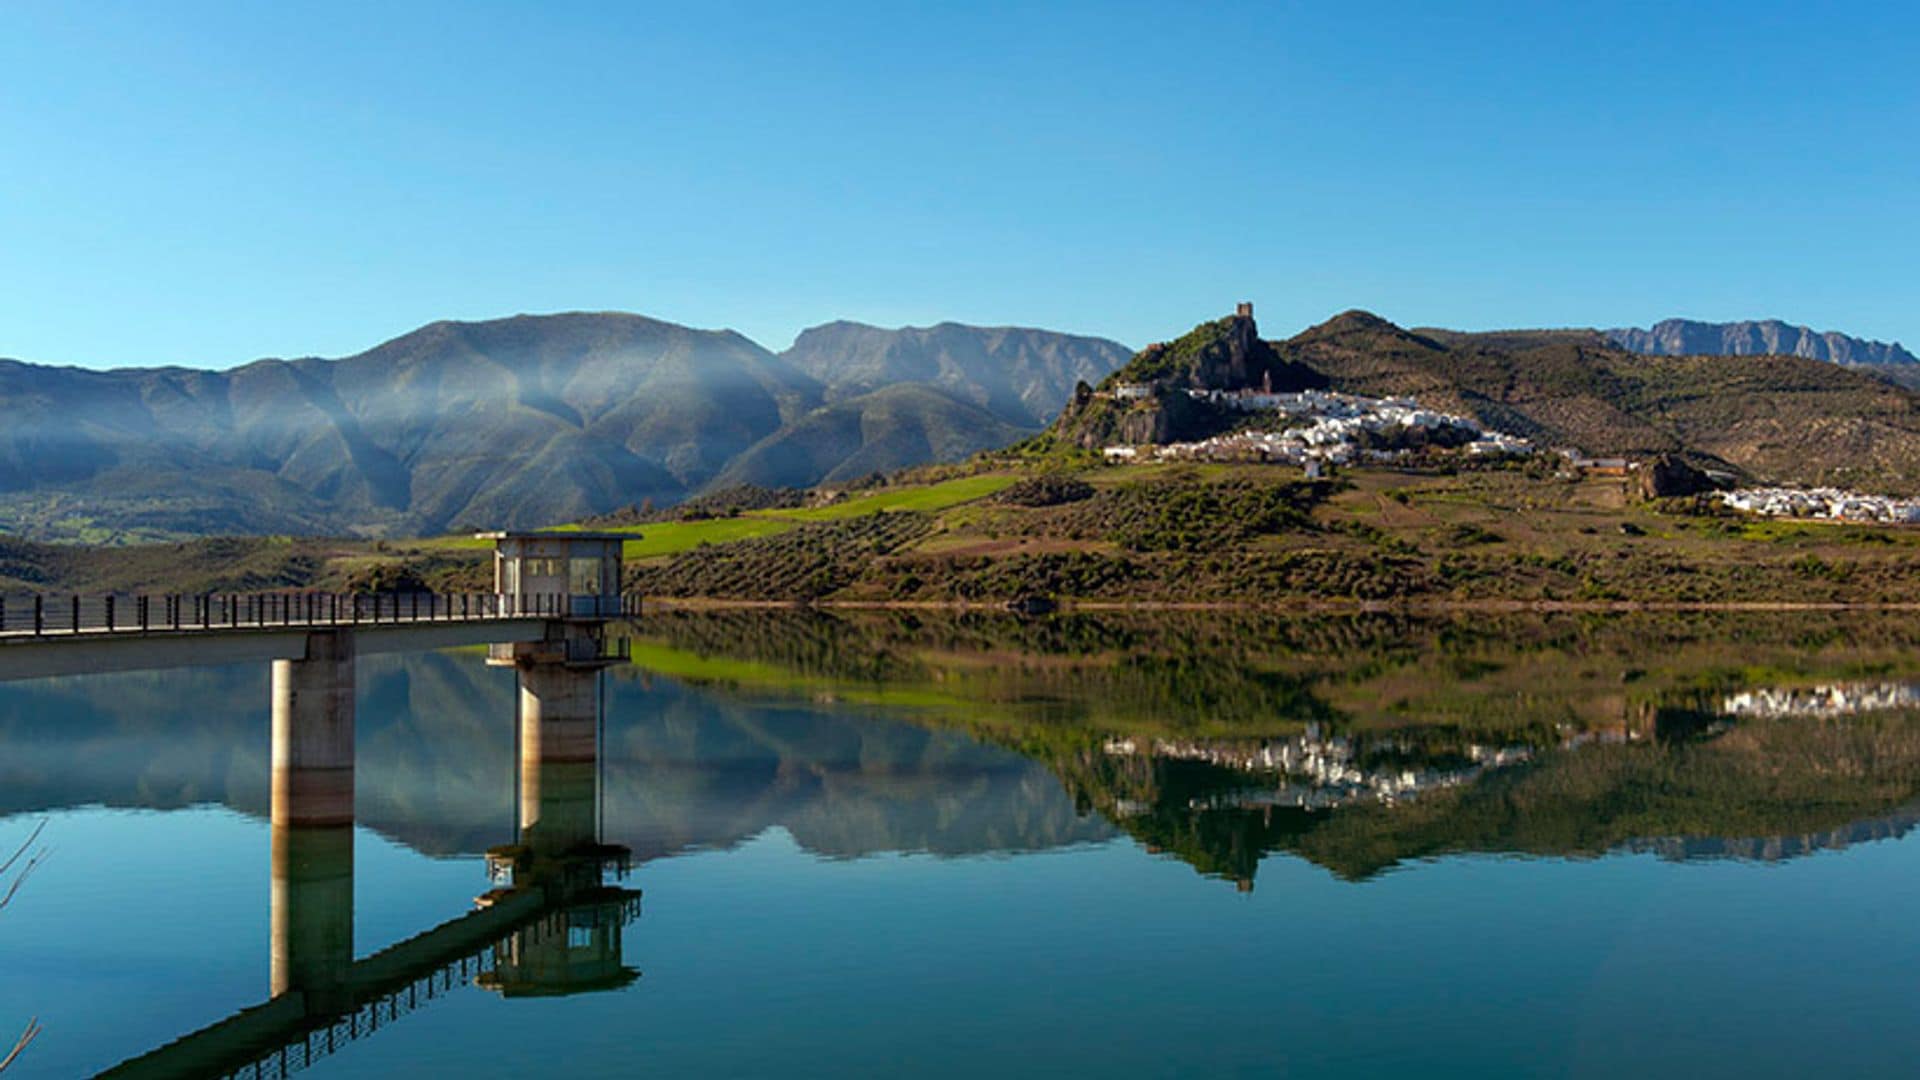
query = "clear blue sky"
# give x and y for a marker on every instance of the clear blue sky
(205, 184)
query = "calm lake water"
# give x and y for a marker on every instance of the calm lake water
(1112, 846)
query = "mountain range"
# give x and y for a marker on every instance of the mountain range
(535, 420)
(508, 423)
(1764, 337)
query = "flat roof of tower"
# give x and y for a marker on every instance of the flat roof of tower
(556, 534)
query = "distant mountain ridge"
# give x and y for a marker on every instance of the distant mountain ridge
(1773, 417)
(1019, 375)
(524, 421)
(1686, 337)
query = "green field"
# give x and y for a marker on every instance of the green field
(674, 537)
(664, 538)
(929, 498)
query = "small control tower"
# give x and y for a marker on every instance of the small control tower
(568, 575)
(572, 580)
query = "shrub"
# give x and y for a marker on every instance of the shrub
(1051, 489)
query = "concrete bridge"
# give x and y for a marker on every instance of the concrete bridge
(42, 636)
(554, 595)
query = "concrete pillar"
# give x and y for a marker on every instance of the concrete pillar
(313, 734)
(312, 945)
(559, 745)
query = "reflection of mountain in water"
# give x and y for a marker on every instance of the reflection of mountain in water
(1763, 789)
(686, 770)
(1367, 741)
(1358, 744)
(435, 770)
(1779, 848)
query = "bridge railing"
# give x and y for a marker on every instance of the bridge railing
(43, 615)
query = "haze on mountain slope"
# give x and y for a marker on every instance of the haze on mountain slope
(515, 422)
(1020, 376)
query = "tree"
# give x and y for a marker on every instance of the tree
(14, 873)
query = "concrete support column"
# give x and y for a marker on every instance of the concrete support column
(559, 746)
(312, 944)
(313, 734)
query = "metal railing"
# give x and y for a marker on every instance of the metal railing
(65, 615)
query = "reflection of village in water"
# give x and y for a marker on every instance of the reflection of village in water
(1315, 770)
(1239, 798)
(1840, 699)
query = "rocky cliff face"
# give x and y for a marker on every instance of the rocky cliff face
(1226, 354)
(1684, 337)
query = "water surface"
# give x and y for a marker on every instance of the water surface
(1119, 845)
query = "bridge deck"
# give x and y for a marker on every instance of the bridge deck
(42, 636)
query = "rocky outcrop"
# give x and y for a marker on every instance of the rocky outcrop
(1158, 396)
(1097, 420)
(1685, 337)
(1226, 354)
(1669, 476)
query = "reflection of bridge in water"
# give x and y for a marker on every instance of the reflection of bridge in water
(536, 938)
(551, 926)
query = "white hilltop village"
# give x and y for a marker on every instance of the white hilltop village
(1318, 428)
(1323, 427)
(1823, 503)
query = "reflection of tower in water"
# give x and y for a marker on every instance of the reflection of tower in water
(574, 951)
(559, 850)
(563, 924)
